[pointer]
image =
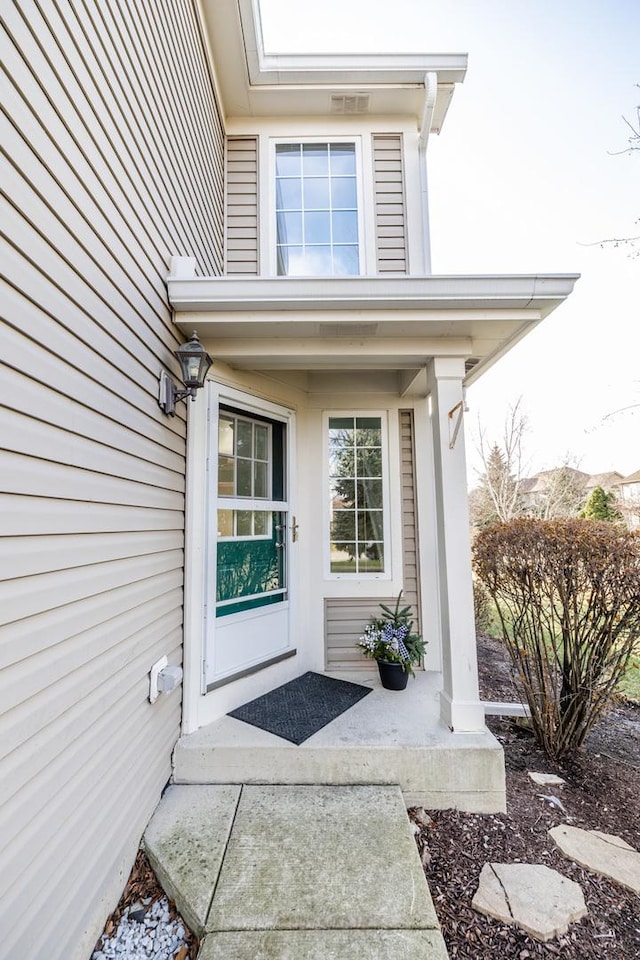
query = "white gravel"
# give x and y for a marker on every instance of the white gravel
(154, 936)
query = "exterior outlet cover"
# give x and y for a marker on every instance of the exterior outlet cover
(154, 693)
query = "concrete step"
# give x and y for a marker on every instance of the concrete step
(286, 872)
(389, 737)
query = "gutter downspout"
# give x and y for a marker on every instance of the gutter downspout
(430, 94)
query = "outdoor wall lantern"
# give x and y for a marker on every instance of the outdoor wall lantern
(194, 364)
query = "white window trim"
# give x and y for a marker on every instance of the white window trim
(270, 198)
(387, 573)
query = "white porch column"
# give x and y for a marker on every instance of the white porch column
(460, 706)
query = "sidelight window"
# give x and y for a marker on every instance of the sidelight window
(356, 495)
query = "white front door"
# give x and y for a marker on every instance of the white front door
(248, 584)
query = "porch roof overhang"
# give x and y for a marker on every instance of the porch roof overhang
(364, 323)
(253, 83)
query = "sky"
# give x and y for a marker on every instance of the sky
(526, 177)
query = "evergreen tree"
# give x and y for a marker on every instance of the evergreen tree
(500, 486)
(600, 506)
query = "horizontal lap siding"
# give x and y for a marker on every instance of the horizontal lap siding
(241, 230)
(112, 162)
(345, 618)
(391, 240)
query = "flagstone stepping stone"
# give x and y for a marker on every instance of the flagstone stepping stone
(546, 779)
(533, 897)
(601, 852)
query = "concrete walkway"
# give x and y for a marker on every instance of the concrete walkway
(290, 872)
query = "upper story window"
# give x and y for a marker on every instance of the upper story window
(317, 210)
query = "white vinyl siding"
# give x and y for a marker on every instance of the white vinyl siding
(410, 526)
(241, 230)
(390, 208)
(345, 618)
(112, 150)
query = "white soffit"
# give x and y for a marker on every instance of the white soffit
(353, 322)
(253, 83)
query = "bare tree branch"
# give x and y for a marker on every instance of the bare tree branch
(503, 466)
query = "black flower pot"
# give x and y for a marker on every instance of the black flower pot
(392, 675)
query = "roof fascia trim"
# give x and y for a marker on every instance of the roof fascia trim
(371, 293)
(345, 68)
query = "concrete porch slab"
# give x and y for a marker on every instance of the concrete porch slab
(389, 737)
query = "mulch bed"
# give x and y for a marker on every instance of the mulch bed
(602, 792)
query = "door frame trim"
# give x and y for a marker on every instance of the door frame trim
(222, 395)
(194, 693)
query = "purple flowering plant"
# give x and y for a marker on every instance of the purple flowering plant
(390, 637)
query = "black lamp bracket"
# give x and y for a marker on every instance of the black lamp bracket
(169, 395)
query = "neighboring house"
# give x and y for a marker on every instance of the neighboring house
(562, 491)
(608, 481)
(324, 469)
(627, 492)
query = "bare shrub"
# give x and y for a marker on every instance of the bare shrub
(567, 594)
(481, 606)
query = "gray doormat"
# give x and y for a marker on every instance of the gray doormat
(298, 709)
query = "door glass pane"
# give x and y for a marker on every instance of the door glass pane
(243, 523)
(261, 437)
(261, 523)
(225, 523)
(251, 552)
(226, 486)
(246, 470)
(244, 441)
(260, 485)
(244, 474)
(225, 436)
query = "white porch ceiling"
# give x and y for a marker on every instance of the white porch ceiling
(363, 323)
